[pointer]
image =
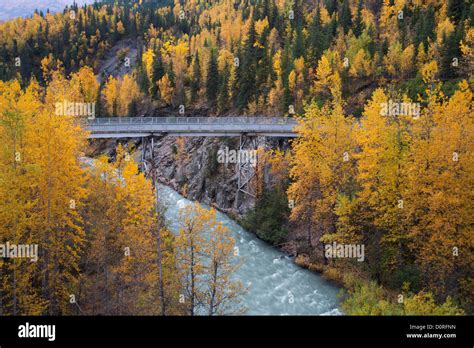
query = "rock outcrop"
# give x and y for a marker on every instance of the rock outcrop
(191, 167)
(194, 171)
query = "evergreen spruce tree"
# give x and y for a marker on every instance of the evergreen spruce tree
(246, 84)
(345, 17)
(196, 79)
(358, 24)
(212, 80)
(299, 48)
(317, 39)
(133, 108)
(456, 9)
(264, 64)
(449, 52)
(331, 6)
(223, 98)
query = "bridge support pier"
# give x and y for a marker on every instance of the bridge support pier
(148, 144)
(247, 169)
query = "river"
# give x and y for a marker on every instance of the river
(276, 285)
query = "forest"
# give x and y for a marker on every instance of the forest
(382, 91)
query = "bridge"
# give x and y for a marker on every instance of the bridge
(141, 127)
(248, 129)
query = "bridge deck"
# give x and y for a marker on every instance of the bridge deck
(133, 127)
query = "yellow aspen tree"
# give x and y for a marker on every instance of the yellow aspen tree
(393, 59)
(179, 54)
(323, 74)
(190, 244)
(222, 293)
(101, 215)
(136, 272)
(121, 269)
(17, 200)
(421, 58)
(275, 97)
(84, 86)
(361, 65)
(279, 162)
(166, 89)
(49, 65)
(147, 60)
(296, 82)
(111, 96)
(55, 144)
(389, 16)
(407, 61)
(321, 164)
(120, 27)
(381, 166)
(128, 92)
(444, 29)
(440, 192)
(168, 283)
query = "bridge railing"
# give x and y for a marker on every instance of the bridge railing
(192, 120)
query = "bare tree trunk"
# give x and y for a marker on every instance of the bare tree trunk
(213, 291)
(160, 269)
(191, 311)
(160, 257)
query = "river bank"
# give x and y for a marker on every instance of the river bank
(276, 285)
